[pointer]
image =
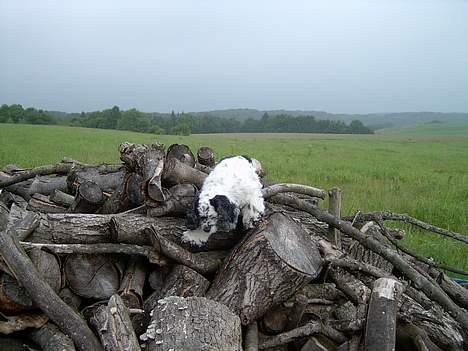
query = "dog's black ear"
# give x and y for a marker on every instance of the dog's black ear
(192, 218)
(228, 212)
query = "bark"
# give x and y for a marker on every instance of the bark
(59, 168)
(199, 263)
(178, 202)
(268, 267)
(103, 248)
(50, 338)
(334, 208)
(113, 324)
(4, 216)
(438, 325)
(47, 185)
(8, 198)
(61, 198)
(410, 337)
(13, 324)
(182, 153)
(128, 195)
(131, 287)
(88, 198)
(42, 203)
(308, 329)
(382, 313)
(205, 156)
(206, 325)
(181, 281)
(392, 216)
(44, 296)
(106, 177)
(251, 337)
(147, 160)
(92, 276)
(176, 172)
(275, 189)
(203, 168)
(454, 290)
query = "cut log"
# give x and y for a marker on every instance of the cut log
(206, 325)
(72, 228)
(106, 177)
(251, 337)
(127, 196)
(131, 287)
(205, 156)
(382, 314)
(268, 267)
(42, 203)
(26, 174)
(147, 160)
(13, 297)
(182, 153)
(334, 207)
(48, 184)
(8, 198)
(178, 202)
(113, 324)
(61, 198)
(410, 337)
(93, 276)
(176, 172)
(44, 296)
(88, 198)
(50, 338)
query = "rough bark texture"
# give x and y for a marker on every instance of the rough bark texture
(61, 198)
(42, 203)
(131, 287)
(106, 177)
(47, 185)
(179, 201)
(193, 323)
(268, 267)
(113, 324)
(176, 172)
(50, 338)
(147, 160)
(382, 314)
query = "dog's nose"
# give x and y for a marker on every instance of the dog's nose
(206, 229)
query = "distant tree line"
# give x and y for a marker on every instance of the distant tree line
(17, 114)
(182, 123)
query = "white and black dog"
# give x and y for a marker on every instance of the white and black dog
(231, 195)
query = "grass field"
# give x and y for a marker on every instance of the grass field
(419, 173)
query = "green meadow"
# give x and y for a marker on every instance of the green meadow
(422, 171)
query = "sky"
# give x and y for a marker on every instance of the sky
(349, 56)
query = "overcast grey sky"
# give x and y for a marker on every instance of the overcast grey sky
(338, 56)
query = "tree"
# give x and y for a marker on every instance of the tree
(181, 129)
(4, 113)
(134, 120)
(16, 113)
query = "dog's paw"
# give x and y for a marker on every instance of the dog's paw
(195, 237)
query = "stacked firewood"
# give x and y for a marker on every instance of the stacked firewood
(92, 258)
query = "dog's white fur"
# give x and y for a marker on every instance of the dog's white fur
(236, 178)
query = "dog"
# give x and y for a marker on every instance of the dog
(231, 197)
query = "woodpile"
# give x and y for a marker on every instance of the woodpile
(92, 258)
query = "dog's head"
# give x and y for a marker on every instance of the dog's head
(215, 214)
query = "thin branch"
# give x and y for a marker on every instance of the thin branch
(423, 259)
(392, 216)
(105, 248)
(293, 188)
(432, 291)
(38, 171)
